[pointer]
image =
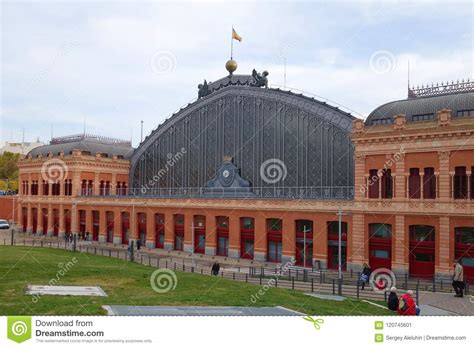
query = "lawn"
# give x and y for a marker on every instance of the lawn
(129, 284)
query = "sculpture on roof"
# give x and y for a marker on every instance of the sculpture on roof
(260, 80)
(203, 89)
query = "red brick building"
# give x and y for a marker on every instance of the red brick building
(403, 178)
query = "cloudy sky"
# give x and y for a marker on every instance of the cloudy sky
(114, 64)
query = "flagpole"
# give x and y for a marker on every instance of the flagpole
(231, 43)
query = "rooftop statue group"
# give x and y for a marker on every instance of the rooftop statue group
(259, 80)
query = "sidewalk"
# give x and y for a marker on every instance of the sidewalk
(445, 304)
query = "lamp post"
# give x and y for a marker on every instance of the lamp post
(192, 244)
(304, 244)
(339, 252)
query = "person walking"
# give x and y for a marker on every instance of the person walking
(365, 275)
(406, 304)
(215, 268)
(392, 302)
(458, 278)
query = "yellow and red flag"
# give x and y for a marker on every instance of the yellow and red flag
(236, 36)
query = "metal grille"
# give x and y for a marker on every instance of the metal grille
(251, 125)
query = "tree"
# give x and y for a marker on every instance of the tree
(9, 171)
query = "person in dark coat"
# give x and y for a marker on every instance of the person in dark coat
(365, 275)
(215, 268)
(392, 302)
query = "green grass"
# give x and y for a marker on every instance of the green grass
(129, 284)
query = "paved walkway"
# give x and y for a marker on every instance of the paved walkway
(446, 304)
(199, 311)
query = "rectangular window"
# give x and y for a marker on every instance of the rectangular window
(249, 247)
(380, 231)
(422, 117)
(380, 121)
(247, 223)
(424, 257)
(274, 251)
(274, 225)
(429, 184)
(464, 235)
(223, 246)
(387, 184)
(465, 113)
(373, 183)
(381, 254)
(467, 261)
(178, 242)
(422, 233)
(333, 228)
(414, 189)
(460, 183)
(201, 242)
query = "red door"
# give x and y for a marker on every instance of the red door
(333, 257)
(141, 228)
(178, 232)
(380, 246)
(247, 238)
(159, 231)
(25, 218)
(95, 225)
(34, 211)
(199, 234)
(464, 251)
(333, 245)
(45, 221)
(110, 226)
(222, 236)
(67, 221)
(199, 240)
(125, 228)
(82, 224)
(304, 234)
(55, 222)
(422, 251)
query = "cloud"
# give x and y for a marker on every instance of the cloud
(93, 60)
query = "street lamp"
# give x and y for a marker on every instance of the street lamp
(192, 244)
(339, 252)
(304, 244)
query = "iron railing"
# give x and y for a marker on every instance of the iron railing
(311, 192)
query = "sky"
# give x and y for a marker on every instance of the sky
(110, 65)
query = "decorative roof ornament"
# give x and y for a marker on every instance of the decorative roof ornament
(260, 80)
(231, 66)
(203, 89)
(441, 89)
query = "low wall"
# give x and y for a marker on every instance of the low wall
(7, 208)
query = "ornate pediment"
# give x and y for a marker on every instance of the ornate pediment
(227, 182)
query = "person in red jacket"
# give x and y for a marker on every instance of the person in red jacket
(406, 304)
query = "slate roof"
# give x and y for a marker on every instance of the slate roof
(93, 144)
(421, 106)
